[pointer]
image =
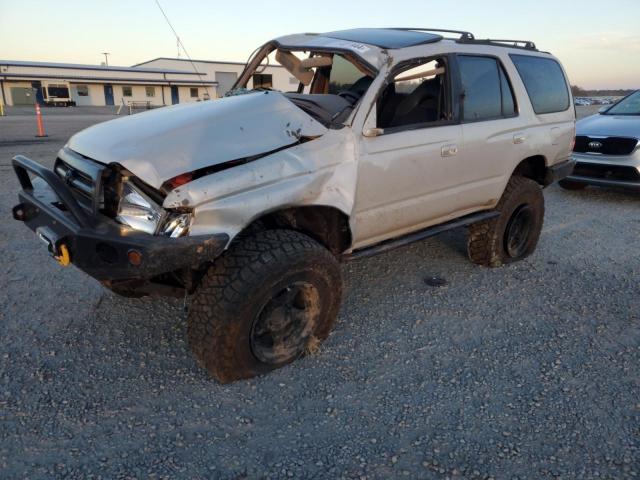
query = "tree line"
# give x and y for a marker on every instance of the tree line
(581, 92)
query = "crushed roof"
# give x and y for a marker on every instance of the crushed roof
(390, 38)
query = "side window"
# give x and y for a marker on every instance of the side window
(487, 92)
(545, 83)
(417, 95)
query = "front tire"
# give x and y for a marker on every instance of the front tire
(268, 300)
(514, 234)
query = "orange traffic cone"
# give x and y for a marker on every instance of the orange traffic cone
(41, 132)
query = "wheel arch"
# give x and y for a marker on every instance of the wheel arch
(327, 225)
(534, 168)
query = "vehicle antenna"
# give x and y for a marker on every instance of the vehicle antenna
(181, 45)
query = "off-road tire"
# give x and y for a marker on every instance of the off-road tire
(571, 185)
(486, 241)
(236, 288)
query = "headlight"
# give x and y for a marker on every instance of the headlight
(141, 213)
(137, 211)
(176, 225)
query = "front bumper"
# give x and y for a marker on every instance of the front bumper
(94, 243)
(607, 171)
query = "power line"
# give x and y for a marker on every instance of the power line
(181, 45)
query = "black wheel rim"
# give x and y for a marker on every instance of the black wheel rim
(518, 231)
(281, 331)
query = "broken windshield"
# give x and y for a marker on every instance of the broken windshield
(329, 84)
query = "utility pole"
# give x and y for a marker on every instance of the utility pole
(106, 58)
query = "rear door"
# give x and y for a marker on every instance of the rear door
(494, 134)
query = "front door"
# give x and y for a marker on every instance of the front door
(175, 98)
(410, 154)
(108, 95)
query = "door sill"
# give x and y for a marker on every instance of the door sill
(392, 244)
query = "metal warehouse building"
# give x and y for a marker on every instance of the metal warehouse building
(224, 74)
(158, 82)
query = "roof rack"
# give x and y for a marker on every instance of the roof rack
(524, 44)
(467, 36)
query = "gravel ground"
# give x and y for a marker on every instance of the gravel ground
(527, 371)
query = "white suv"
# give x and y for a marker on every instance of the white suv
(249, 203)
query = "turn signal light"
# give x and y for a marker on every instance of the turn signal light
(135, 257)
(180, 180)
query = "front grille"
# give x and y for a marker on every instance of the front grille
(606, 172)
(605, 146)
(83, 176)
(79, 182)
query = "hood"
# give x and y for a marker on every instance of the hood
(161, 144)
(609, 126)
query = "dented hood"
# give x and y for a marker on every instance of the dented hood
(161, 144)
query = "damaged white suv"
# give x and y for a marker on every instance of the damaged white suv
(249, 203)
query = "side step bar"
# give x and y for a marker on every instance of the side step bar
(394, 243)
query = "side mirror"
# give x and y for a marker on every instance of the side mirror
(373, 132)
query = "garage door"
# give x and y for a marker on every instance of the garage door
(225, 81)
(23, 96)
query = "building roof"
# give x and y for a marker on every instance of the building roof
(385, 37)
(77, 66)
(220, 62)
(115, 80)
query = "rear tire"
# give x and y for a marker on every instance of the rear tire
(271, 298)
(514, 234)
(572, 185)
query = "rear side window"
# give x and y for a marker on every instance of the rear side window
(545, 83)
(487, 92)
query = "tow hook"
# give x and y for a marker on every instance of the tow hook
(64, 258)
(56, 247)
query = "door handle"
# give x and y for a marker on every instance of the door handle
(449, 150)
(519, 138)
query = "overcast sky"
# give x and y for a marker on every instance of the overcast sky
(599, 43)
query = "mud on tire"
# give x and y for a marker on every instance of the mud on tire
(514, 234)
(272, 297)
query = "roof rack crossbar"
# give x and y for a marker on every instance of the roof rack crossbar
(526, 44)
(463, 35)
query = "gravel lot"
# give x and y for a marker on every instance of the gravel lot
(527, 371)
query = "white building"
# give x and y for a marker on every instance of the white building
(224, 74)
(24, 83)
